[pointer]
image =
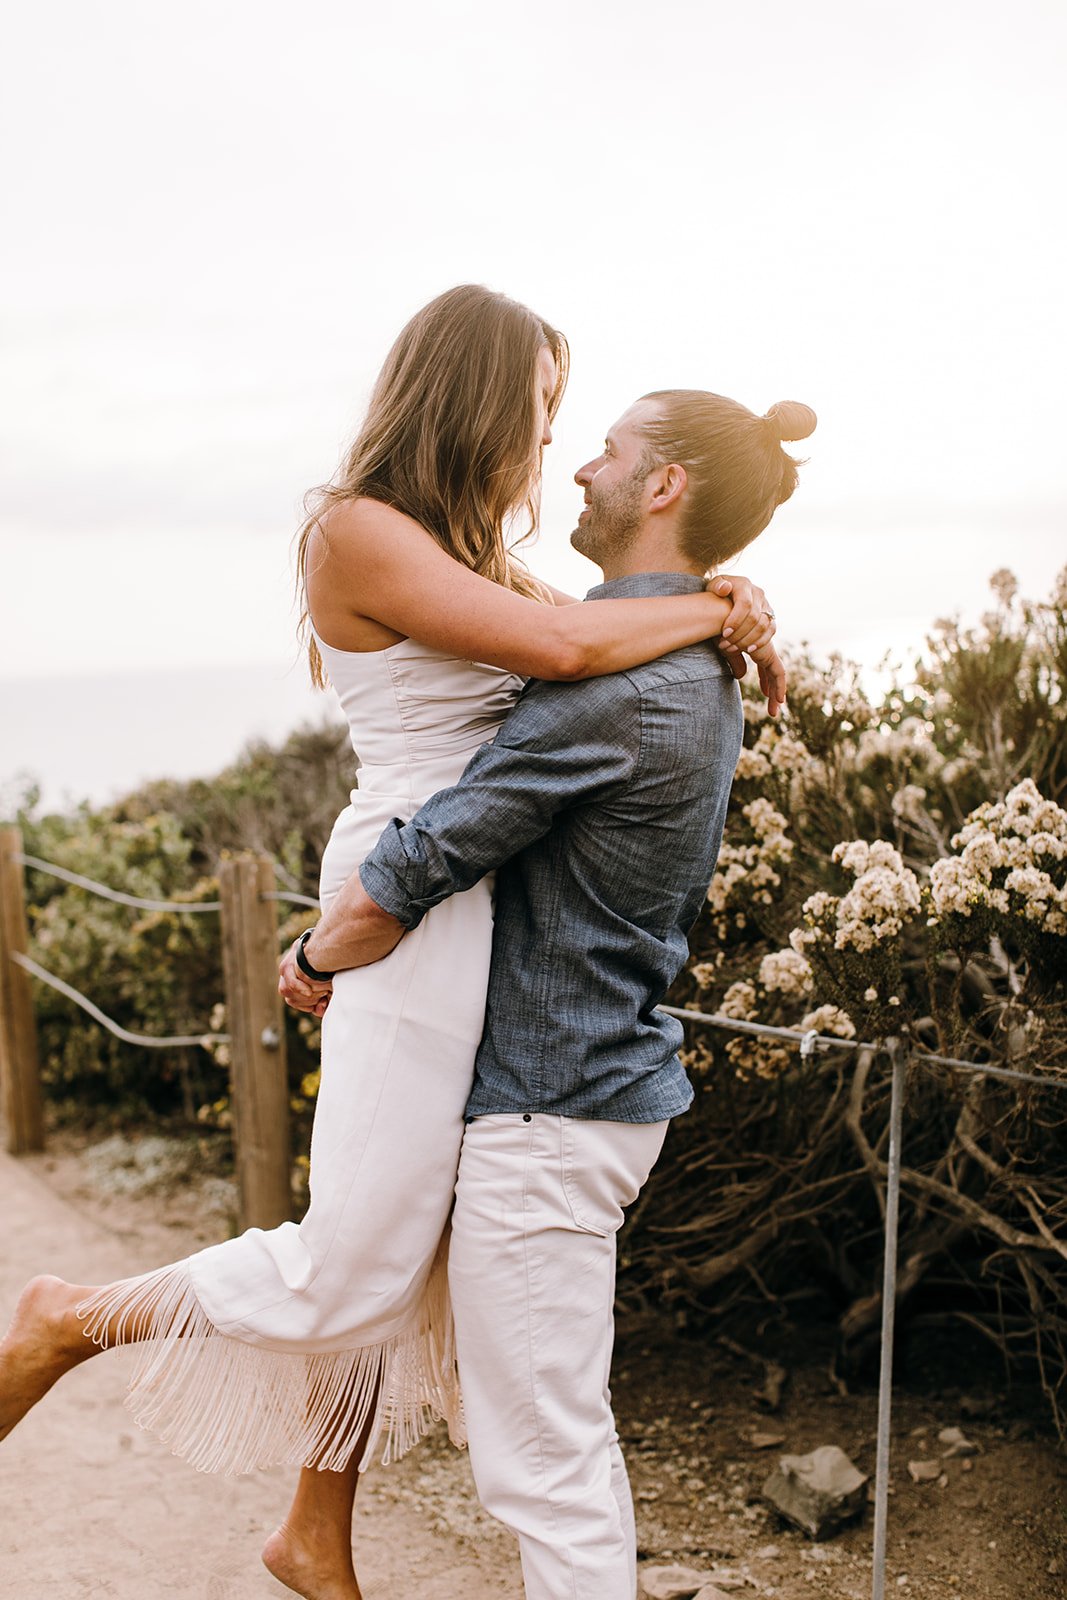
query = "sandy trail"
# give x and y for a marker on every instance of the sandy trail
(92, 1507)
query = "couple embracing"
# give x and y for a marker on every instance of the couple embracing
(541, 798)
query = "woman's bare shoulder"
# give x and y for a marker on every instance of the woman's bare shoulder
(360, 519)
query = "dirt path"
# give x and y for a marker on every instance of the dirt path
(92, 1507)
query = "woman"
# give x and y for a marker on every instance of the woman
(323, 1343)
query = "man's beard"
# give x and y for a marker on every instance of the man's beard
(614, 520)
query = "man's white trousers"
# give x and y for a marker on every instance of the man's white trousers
(532, 1271)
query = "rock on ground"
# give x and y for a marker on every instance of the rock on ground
(817, 1492)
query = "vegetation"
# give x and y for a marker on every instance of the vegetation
(892, 868)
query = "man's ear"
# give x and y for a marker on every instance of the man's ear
(668, 486)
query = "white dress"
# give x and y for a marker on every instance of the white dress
(278, 1346)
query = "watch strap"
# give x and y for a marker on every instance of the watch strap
(305, 965)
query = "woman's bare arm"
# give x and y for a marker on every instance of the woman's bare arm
(375, 563)
(559, 596)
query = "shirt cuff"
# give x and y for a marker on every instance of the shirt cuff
(387, 889)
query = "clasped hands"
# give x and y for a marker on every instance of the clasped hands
(297, 990)
(352, 932)
(749, 631)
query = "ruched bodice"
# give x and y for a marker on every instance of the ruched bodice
(416, 715)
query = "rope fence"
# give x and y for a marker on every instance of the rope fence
(102, 891)
(260, 1089)
(147, 1040)
(258, 1073)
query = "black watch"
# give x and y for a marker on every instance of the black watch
(305, 965)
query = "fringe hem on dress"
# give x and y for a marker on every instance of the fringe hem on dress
(228, 1406)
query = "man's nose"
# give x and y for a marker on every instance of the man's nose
(584, 475)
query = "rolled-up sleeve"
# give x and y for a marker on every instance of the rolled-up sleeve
(559, 746)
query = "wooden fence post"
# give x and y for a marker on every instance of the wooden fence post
(254, 1017)
(19, 1072)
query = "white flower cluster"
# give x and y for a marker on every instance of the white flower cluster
(750, 869)
(884, 896)
(705, 972)
(739, 1002)
(834, 690)
(908, 802)
(786, 972)
(1004, 585)
(764, 1057)
(774, 751)
(909, 744)
(831, 1020)
(1012, 859)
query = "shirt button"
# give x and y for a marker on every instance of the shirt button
(526, 1117)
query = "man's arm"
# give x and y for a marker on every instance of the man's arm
(560, 745)
(353, 931)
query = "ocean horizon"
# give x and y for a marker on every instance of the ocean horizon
(98, 737)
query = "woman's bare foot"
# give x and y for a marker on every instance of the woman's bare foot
(303, 1568)
(44, 1341)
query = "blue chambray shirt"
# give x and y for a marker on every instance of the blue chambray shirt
(601, 805)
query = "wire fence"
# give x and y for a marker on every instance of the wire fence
(901, 1053)
(812, 1041)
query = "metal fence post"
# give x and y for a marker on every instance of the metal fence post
(20, 1077)
(898, 1057)
(260, 1088)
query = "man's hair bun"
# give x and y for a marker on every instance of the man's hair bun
(791, 420)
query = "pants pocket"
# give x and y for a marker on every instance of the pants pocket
(603, 1167)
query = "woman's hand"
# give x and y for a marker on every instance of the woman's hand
(750, 628)
(772, 678)
(751, 623)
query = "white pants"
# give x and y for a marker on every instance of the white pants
(532, 1273)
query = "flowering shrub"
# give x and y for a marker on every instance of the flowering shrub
(890, 868)
(1008, 879)
(748, 874)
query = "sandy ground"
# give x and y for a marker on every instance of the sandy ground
(92, 1507)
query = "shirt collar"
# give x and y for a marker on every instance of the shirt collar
(637, 584)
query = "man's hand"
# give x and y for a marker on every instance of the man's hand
(750, 624)
(352, 932)
(298, 990)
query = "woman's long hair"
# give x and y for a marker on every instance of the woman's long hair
(452, 436)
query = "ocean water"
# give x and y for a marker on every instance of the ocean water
(95, 737)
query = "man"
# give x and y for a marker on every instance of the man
(600, 804)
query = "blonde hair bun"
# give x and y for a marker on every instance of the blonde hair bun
(791, 420)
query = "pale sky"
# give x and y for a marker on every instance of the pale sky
(220, 215)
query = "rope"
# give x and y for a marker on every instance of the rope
(811, 1041)
(149, 905)
(117, 895)
(152, 1042)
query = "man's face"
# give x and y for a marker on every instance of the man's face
(614, 485)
